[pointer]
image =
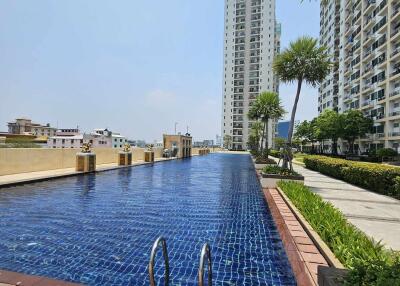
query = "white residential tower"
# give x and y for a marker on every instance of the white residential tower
(251, 40)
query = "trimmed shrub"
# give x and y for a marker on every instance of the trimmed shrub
(375, 177)
(369, 262)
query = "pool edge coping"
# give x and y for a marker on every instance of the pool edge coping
(16, 278)
(76, 173)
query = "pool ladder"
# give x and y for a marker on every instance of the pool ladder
(205, 254)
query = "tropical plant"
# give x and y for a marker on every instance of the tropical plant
(275, 153)
(305, 132)
(386, 153)
(277, 170)
(256, 133)
(330, 126)
(252, 144)
(279, 142)
(227, 141)
(369, 262)
(303, 61)
(355, 125)
(267, 107)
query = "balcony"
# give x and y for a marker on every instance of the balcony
(394, 134)
(396, 11)
(346, 97)
(378, 136)
(394, 32)
(395, 92)
(394, 113)
(395, 52)
(370, 6)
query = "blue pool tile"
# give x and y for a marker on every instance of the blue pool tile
(98, 229)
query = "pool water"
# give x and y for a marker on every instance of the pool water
(98, 229)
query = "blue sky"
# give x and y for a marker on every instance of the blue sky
(135, 67)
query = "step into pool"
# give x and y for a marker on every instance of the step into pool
(98, 229)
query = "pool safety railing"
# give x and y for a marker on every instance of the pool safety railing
(160, 241)
(205, 254)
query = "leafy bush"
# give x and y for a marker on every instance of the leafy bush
(255, 153)
(262, 157)
(375, 272)
(375, 177)
(262, 160)
(276, 170)
(397, 185)
(275, 153)
(369, 261)
(386, 152)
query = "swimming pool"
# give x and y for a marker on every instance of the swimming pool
(99, 229)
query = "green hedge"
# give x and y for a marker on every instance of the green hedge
(352, 247)
(375, 177)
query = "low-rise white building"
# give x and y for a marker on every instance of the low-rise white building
(118, 141)
(99, 138)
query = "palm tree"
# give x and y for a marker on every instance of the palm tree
(267, 107)
(256, 131)
(304, 61)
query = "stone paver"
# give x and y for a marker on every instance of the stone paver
(376, 215)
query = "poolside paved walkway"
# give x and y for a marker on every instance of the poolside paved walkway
(48, 174)
(376, 215)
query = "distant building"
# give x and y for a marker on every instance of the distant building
(118, 141)
(204, 143)
(137, 143)
(99, 138)
(26, 126)
(158, 144)
(218, 140)
(179, 144)
(251, 41)
(282, 129)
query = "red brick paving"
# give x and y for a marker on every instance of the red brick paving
(303, 255)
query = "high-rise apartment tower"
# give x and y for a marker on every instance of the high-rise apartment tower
(368, 65)
(251, 40)
(330, 37)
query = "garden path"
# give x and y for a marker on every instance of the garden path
(376, 215)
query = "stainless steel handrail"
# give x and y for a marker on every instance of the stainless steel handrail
(205, 251)
(156, 244)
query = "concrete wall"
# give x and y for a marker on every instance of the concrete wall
(22, 160)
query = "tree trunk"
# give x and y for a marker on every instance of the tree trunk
(262, 140)
(334, 147)
(291, 126)
(266, 136)
(351, 147)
